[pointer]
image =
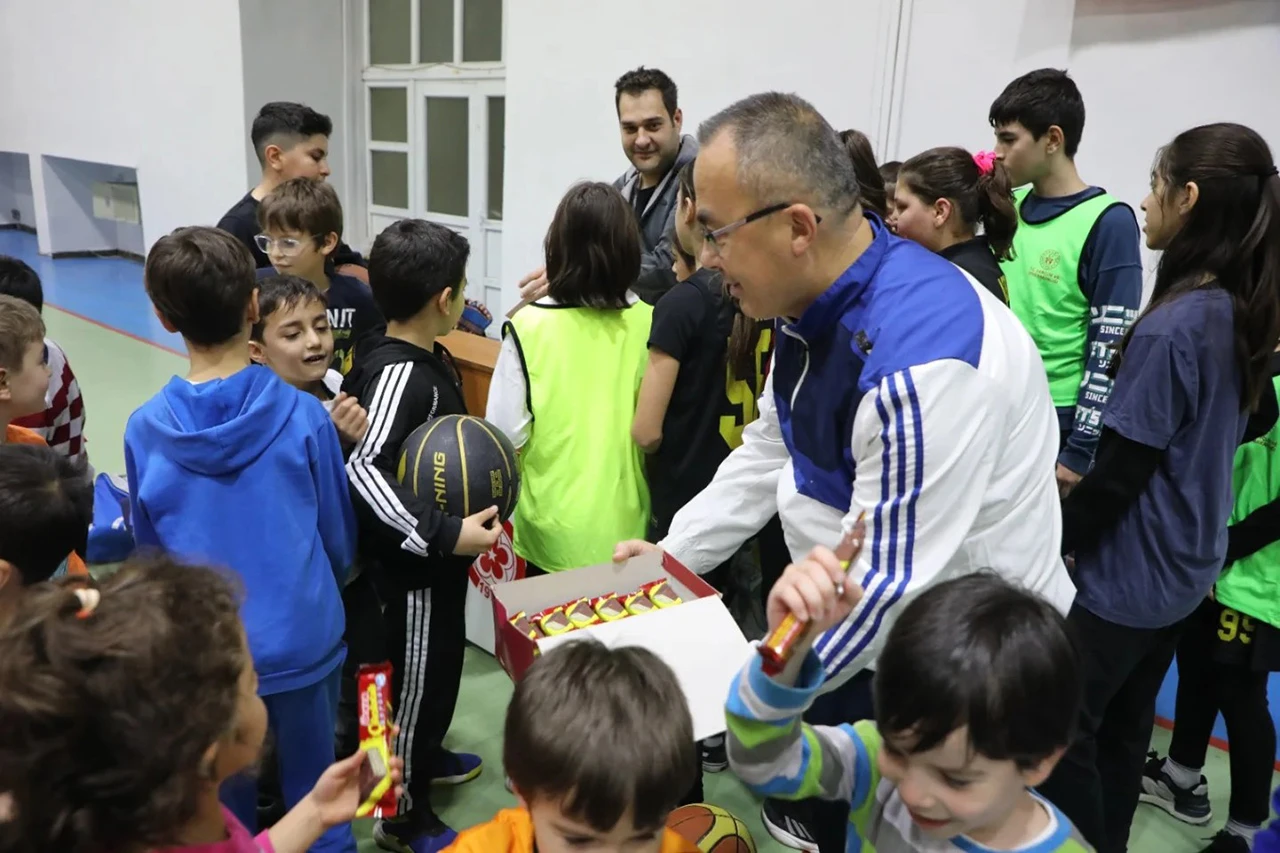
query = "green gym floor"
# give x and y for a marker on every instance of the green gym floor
(119, 371)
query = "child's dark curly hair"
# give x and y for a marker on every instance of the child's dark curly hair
(106, 716)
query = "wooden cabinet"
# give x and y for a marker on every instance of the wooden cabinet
(475, 357)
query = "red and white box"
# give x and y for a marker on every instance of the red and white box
(697, 638)
(499, 564)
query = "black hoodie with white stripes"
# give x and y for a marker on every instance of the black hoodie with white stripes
(405, 540)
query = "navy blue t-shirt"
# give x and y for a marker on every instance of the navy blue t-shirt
(1178, 390)
(352, 315)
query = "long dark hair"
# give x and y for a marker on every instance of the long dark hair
(1230, 239)
(684, 184)
(952, 173)
(592, 248)
(870, 181)
(677, 250)
(744, 337)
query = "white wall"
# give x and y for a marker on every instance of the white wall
(15, 190)
(293, 50)
(1147, 69)
(135, 83)
(957, 56)
(564, 56)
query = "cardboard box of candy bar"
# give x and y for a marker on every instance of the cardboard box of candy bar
(651, 601)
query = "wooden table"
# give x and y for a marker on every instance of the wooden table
(475, 357)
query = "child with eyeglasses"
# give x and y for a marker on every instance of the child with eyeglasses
(301, 229)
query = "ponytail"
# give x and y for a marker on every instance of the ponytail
(977, 186)
(1230, 239)
(1257, 308)
(996, 211)
(870, 181)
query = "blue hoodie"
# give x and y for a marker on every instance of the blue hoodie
(246, 472)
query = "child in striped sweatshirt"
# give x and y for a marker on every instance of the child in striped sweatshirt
(976, 696)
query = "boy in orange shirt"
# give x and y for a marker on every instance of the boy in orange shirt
(597, 750)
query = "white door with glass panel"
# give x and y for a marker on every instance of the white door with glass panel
(435, 119)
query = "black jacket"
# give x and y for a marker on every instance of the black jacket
(976, 258)
(405, 539)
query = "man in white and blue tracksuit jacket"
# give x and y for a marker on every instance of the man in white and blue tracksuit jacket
(905, 391)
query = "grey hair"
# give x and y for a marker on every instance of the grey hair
(786, 151)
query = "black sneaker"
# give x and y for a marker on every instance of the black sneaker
(1187, 805)
(1227, 842)
(714, 757)
(785, 828)
(406, 836)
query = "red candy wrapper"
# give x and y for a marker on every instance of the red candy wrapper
(661, 594)
(525, 626)
(637, 603)
(609, 608)
(377, 792)
(554, 621)
(777, 648)
(581, 614)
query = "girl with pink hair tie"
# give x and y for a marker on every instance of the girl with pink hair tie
(942, 197)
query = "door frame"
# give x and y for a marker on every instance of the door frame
(478, 227)
(477, 93)
(362, 216)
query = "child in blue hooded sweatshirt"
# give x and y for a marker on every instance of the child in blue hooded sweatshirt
(233, 467)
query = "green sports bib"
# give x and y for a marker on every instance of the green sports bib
(583, 486)
(1044, 290)
(1251, 585)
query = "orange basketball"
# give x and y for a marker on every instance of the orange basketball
(712, 828)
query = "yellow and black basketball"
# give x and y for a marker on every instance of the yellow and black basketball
(463, 464)
(712, 829)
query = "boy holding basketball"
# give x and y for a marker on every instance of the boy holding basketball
(976, 696)
(597, 750)
(230, 465)
(417, 555)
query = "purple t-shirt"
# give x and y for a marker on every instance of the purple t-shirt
(1178, 390)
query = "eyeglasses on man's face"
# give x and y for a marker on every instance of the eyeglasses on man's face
(715, 240)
